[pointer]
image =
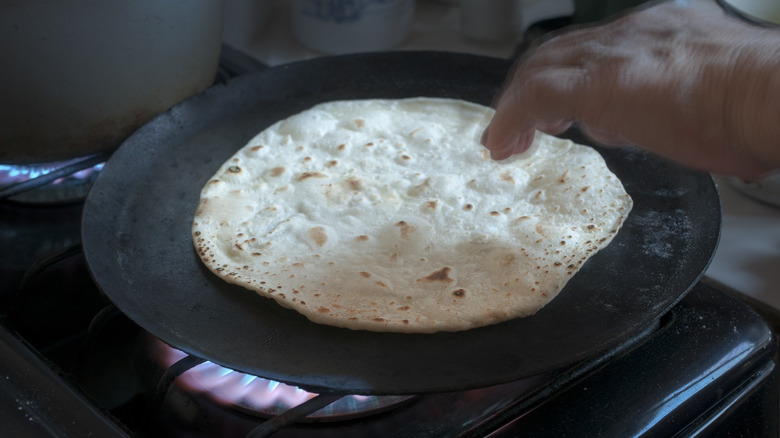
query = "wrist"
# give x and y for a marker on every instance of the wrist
(771, 112)
(761, 105)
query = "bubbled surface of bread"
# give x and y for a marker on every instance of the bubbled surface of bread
(388, 215)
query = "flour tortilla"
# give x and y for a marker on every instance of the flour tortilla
(388, 215)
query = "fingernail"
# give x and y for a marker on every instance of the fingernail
(483, 140)
(523, 143)
(517, 145)
(499, 155)
(505, 150)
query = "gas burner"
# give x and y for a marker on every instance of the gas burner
(264, 398)
(50, 183)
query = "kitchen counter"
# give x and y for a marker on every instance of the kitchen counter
(748, 257)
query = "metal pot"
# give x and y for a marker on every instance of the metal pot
(79, 76)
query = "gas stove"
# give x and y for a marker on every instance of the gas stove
(73, 365)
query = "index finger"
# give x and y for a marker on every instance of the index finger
(542, 99)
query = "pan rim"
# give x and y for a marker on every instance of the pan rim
(143, 147)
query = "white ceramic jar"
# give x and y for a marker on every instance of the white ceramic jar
(339, 27)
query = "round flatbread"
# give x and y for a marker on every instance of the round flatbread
(388, 215)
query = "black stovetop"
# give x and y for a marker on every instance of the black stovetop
(70, 366)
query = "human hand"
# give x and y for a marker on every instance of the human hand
(695, 86)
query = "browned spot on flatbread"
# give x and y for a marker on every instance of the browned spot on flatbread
(362, 238)
(507, 176)
(307, 175)
(406, 229)
(360, 123)
(419, 188)
(440, 276)
(365, 274)
(202, 206)
(323, 309)
(354, 183)
(507, 259)
(277, 171)
(318, 235)
(433, 204)
(459, 293)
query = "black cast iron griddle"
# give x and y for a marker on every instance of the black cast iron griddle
(137, 242)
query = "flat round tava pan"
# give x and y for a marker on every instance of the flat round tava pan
(136, 237)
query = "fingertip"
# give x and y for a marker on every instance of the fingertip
(499, 155)
(524, 143)
(515, 145)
